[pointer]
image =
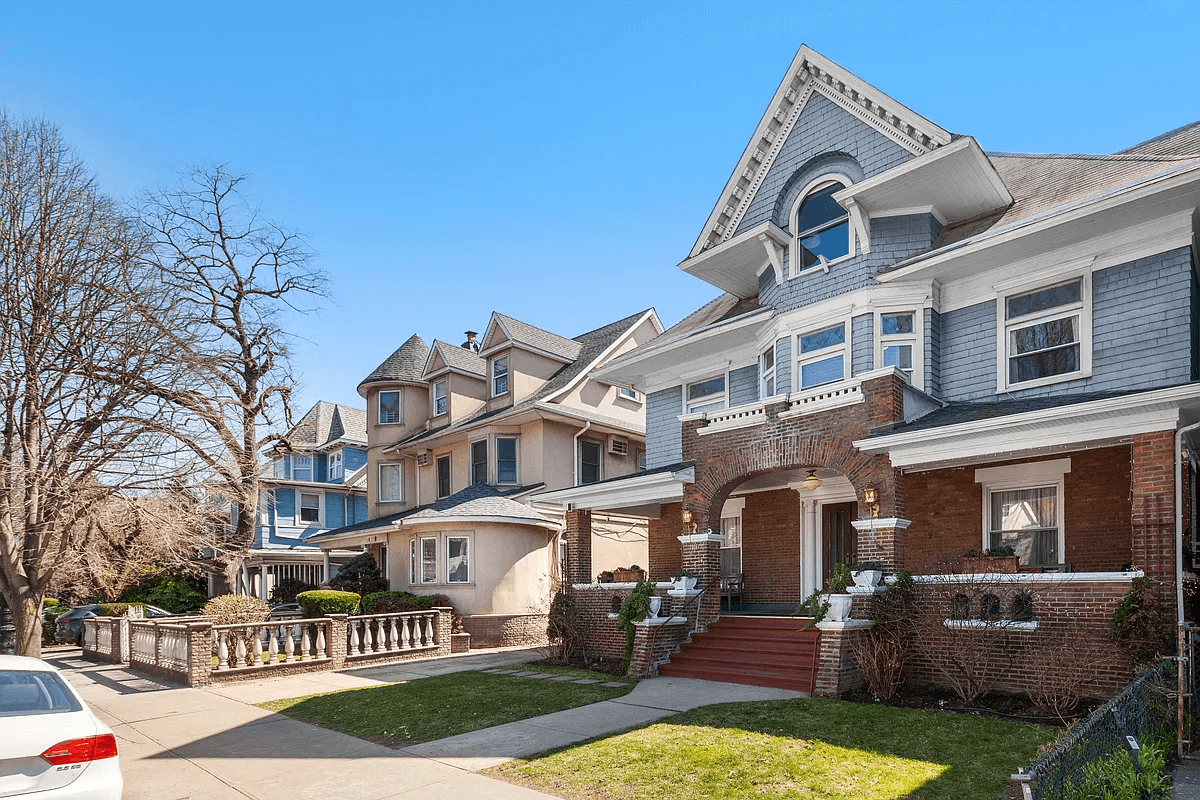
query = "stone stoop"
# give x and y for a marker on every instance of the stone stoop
(777, 652)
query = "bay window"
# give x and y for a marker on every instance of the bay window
(302, 468)
(458, 559)
(479, 462)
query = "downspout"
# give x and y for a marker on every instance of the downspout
(587, 426)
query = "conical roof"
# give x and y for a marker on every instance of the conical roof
(404, 365)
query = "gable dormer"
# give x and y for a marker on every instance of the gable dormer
(831, 156)
(520, 358)
(456, 378)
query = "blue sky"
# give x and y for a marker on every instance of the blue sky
(550, 161)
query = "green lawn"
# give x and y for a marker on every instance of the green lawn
(401, 714)
(813, 749)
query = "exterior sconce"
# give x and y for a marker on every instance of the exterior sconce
(689, 521)
(812, 482)
(871, 496)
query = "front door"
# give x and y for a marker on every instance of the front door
(839, 540)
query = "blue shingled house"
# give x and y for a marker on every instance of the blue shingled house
(314, 481)
(922, 348)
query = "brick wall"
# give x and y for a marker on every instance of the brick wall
(666, 557)
(1153, 504)
(593, 603)
(578, 536)
(946, 509)
(506, 630)
(771, 547)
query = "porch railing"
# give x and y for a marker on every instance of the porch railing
(259, 645)
(373, 634)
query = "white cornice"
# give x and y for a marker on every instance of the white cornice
(810, 73)
(632, 491)
(650, 315)
(472, 519)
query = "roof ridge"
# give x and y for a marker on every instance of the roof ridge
(1094, 156)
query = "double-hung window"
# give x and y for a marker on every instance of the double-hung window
(310, 507)
(458, 559)
(441, 558)
(705, 395)
(590, 454)
(898, 342)
(1023, 509)
(499, 376)
(506, 459)
(391, 483)
(389, 408)
(443, 476)
(1046, 335)
(302, 468)
(335, 466)
(439, 398)
(766, 371)
(429, 570)
(822, 357)
(479, 462)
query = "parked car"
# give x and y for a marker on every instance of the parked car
(51, 744)
(286, 611)
(68, 629)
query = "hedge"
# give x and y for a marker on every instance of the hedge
(398, 602)
(320, 602)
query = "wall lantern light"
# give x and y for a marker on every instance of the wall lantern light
(689, 521)
(871, 496)
(812, 482)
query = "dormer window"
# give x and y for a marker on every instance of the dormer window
(335, 466)
(499, 376)
(820, 227)
(302, 468)
(439, 398)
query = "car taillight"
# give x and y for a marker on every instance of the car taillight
(75, 751)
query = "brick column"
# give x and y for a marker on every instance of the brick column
(665, 556)
(336, 644)
(200, 653)
(702, 558)
(445, 624)
(1153, 507)
(880, 540)
(579, 547)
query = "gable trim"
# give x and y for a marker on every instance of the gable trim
(586, 373)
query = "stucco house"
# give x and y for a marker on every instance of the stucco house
(921, 349)
(313, 480)
(458, 439)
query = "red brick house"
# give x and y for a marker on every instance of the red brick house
(923, 349)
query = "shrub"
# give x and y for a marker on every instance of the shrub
(232, 609)
(1115, 777)
(51, 611)
(1138, 623)
(285, 591)
(841, 578)
(396, 602)
(360, 575)
(884, 651)
(320, 602)
(49, 602)
(634, 608)
(173, 592)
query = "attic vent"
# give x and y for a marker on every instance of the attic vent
(618, 447)
(423, 459)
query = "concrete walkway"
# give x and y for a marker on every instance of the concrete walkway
(1186, 785)
(215, 743)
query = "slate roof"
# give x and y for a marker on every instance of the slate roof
(327, 422)
(591, 345)
(524, 333)
(406, 364)
(460, 358)
(955, 413)
(1184, 140)
(480, 500)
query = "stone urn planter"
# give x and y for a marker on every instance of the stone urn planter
(655, 605)
(868, 575)
(686, 583)
(839, 607)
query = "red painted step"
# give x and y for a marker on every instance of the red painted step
(778, 652)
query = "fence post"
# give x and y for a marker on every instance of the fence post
(445, 624)
(336, 641)
(199, 653)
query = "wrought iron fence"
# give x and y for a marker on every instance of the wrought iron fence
(1146, 709)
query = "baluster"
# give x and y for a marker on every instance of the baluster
(304, 643)
(394, 639)
(239, 653)
(353, 648)
(368, 636)
(380, 634)
(256, 649)
(407, 623)
(222, 650)
(273, 644)
(321, 640)
(429, 629)
(289, 643)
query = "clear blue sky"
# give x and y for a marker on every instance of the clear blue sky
(550, 161)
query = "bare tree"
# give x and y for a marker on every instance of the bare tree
(74, 299)
(233, 275)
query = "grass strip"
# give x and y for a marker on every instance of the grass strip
(401, 714)
(814, 749)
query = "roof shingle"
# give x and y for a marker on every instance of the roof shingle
(405, 365)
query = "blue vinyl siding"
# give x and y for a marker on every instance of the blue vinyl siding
(320, 468)
(933, 352)
(862, 344)
(359, 509)
(743, 385)
(664, 435)
(353, 459)
(335, 510)
(285, 505)
(783, 365)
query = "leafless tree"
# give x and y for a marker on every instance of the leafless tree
(233, 276)
(75, 297)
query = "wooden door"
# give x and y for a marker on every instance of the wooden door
(838, 537)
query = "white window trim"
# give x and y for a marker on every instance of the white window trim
(765, 374)
(311, 469)
(710, 398)
(320, 521)
(495, 447)
(441, 558)
(379, 473)
(437, 559)
(794, 252)
(1083, 308)
(446, 537)
(916, 339)
(487, 462)
(820, 355)
(600, 447)
(507, 374)
(414, 563)
(444, 382)
(437, 476)
(632, 395)
(399, 407)
(1036, 475)
(341, 465)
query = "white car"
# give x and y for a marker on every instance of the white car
(52, 746)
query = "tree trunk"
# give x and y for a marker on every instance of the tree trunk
(27, 618)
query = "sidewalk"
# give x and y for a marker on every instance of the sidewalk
(1186, 785)
(215, 743)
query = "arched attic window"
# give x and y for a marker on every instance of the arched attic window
(820, 227)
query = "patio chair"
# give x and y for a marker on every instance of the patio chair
(731, 587)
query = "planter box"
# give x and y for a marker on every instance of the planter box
(627, 575)
(976, 565)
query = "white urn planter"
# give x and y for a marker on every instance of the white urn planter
(868, 578)
(655, 605)
(839, 607)
(685, 584)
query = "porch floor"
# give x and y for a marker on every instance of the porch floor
(760, 610)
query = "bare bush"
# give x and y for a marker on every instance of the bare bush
(883, 652)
